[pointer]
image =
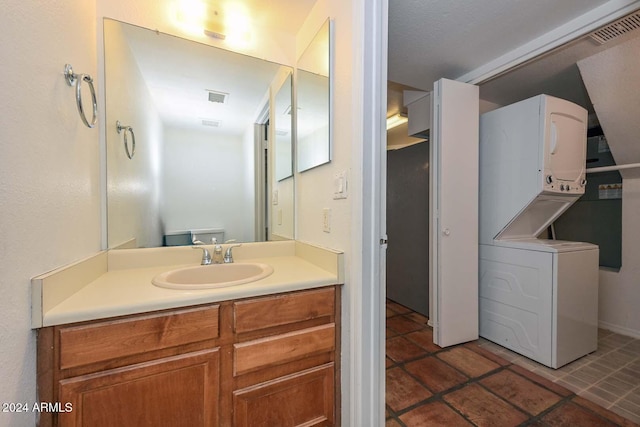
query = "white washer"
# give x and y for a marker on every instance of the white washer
(539, 298)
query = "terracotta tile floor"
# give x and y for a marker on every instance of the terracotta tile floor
(469, 385)
(609, 377)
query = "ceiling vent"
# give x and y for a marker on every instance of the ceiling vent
(211, 123)
(218, 97)
(616, 29)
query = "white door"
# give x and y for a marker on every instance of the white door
(454, 212)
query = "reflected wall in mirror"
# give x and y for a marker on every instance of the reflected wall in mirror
(313, 86)
(282, 124)
(195, 112)
(280, 218)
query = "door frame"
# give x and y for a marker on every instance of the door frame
(261, 181)
(365, 404)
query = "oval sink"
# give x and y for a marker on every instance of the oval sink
(212, 276)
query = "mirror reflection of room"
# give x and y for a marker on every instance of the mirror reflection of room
(313, 100)
(195, 110)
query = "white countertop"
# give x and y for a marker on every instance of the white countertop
(127, 289)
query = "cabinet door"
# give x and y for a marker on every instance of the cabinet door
(302, 399)
(180, 390)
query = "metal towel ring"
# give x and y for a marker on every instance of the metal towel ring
(126, 129)
(72, 78)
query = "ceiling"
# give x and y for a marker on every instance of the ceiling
(449, 38)
(454, 37)
(178, 72)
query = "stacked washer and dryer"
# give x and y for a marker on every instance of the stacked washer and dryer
(538, 297)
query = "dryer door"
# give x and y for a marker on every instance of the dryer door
(565, 146)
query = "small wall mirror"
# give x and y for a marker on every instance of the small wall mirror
(282, 117)
(197, 112)
(313, 84)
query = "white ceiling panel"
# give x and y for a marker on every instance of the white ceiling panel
(448, 38)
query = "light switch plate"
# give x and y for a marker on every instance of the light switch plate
(340, 185)
(274, 197)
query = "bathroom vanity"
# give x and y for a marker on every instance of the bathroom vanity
(268, 359)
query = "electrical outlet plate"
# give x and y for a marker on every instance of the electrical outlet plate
(326, 220)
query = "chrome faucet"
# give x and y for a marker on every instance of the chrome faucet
(217, 251)
(206, 256)
(228, 255)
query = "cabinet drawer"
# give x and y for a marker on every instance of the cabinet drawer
(97, 342)
(262, 313)
(278, 349)
(302, 399)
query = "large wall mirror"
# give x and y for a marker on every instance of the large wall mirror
(196, 115)
(313, 85)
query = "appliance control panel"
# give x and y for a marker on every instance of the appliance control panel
(551, 184)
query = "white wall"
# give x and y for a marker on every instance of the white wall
(133, 184)
(49, 167)
(206, 165)
(611, 79)
(620, 291)
(315, 187)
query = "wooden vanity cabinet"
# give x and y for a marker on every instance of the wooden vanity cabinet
(284, 360)
(262, 361)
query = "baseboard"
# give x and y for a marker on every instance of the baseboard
(619, 329)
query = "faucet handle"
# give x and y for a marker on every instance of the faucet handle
(228, 255)
(206, 255)
(195, 241)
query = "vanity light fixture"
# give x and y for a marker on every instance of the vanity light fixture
(213, 29)
(396, 120)
(238, 25)
(189, 15)
(214, 34)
